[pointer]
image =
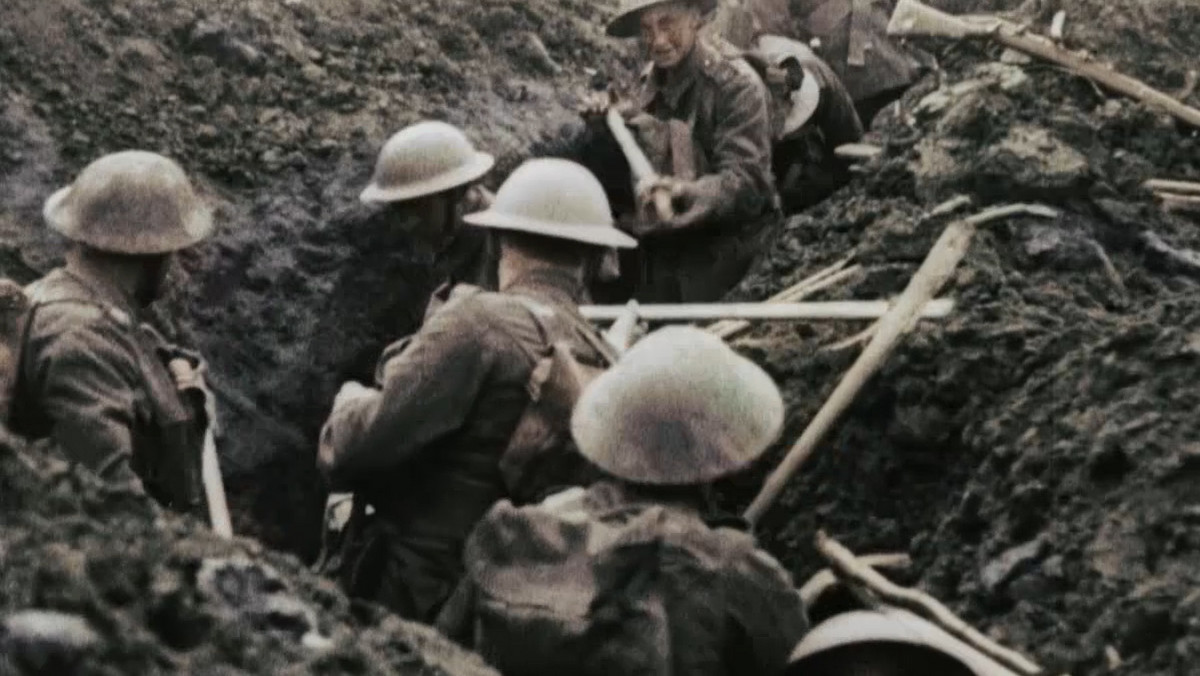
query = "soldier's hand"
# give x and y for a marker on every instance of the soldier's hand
(351, 391)
(187, 376)
(647, 191)
(700, 200)
(627, 329)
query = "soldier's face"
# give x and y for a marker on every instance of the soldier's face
(158, 271)
(669, 32)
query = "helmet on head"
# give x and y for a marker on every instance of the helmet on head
(679, 408)
(625, 23)
(424, 159)
(554, 198)
(894, 642)
(789, 54)
(132, 202)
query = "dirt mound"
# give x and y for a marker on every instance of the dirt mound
(99, 581)
(279, 109)
(1035, 452)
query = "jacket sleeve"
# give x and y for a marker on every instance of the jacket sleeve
(427, 392)
(766, 615)
(87, 386)
(741, 156)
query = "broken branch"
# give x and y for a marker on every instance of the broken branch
(913, 18)
(851, 569)
(937, 268)
(1172, 186)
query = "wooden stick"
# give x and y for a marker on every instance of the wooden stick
(1174, 202)
(914, 18)
(727, 329)
(639, 164)
(1168, 185)
(857, 151)
(937, 268)
(832, 310)
(722, 327)
(849, 568)
(826, 578)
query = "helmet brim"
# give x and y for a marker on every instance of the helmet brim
(62, 218)
(479, 165)
(805, 101)
(598, 235)
(890, 625)
(625, 24)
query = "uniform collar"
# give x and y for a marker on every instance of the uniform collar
(102, 291)
(560, 288)
(671, 85)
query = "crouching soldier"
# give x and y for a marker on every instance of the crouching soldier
(633, 575)
(454, 426)
(93, 377)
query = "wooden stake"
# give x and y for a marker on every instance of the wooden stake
(854, 571)
(937, 268)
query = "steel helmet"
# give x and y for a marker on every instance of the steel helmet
(887, 625)
(131, 202)
(424, 159)
(680, 407)
(781, 51)
(625, 23)
(554, 198)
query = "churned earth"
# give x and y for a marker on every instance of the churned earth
(1036, 453)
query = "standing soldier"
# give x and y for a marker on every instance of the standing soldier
(435, 445)
(714, 121)
(426, 178)
(93, 377)
(853, 39)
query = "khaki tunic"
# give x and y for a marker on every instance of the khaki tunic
(854, 41)
(424, 450)
(726, 105)
(93, 380)
(727, 607)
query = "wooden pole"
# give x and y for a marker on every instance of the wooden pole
(937, 268)
(854, 571)
(831, 310)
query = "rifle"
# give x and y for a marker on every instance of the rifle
(913, 18)
(210, 467)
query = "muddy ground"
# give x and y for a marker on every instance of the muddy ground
(1036, 453)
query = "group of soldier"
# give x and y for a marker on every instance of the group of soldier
(538, 490)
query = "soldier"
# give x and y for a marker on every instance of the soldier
(713, 116)
(426, 177)
(853, 39)
(638, 574)
(430, 450)
(93, 377)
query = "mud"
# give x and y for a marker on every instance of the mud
(1035, 452)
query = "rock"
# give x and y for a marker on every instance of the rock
(1030, 158)
(216, 41)
(1010, 564)
(259, 594)
(45, 641)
